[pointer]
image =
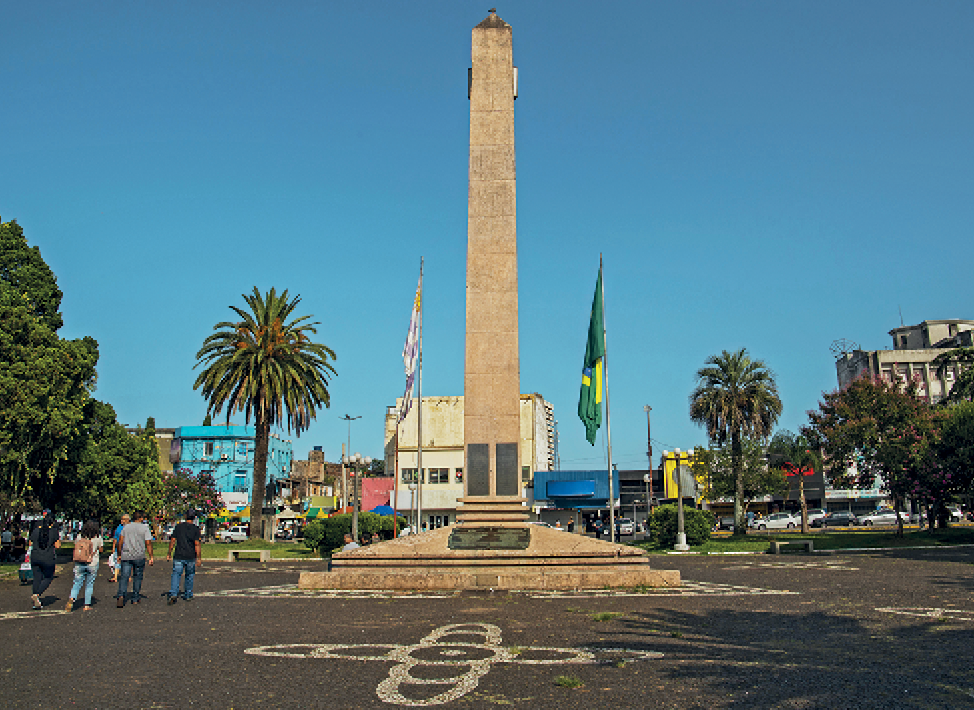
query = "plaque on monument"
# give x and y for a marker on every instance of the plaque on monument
(508, 480)
(464, 538)
(478, 470)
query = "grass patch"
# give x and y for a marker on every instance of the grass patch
(568, 681)
(605, 615)
(824, 540)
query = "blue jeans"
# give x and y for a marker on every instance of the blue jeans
(84, 574)
(178, 567)
(134, 569)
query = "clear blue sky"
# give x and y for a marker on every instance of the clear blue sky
(768, 175)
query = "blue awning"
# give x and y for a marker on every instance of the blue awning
(571, 489)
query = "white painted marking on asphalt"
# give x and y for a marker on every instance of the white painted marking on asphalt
(466, 652)
(687, 589)
(932, 613)
(33, 613)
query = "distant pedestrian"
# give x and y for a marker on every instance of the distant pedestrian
(135, 542)
(186, 541)
(87, 547)
(571, 525)
(115, 559)
(350, 543)
(375, 538)
(558, 524)
(44, 539)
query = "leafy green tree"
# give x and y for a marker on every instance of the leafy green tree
(45, 381)
(963, 389)
(715, 466)
(23, 272)
(266, 366)
(735, 397)
(794, 456)
(872, 430)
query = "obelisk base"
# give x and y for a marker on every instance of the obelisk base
(528, 557)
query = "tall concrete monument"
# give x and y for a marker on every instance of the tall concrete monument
(492, 546)
(491, 419)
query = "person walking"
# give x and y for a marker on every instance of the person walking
(87, 547)
(134, 542)
(45, 540)
(186, 541)
(115, 558)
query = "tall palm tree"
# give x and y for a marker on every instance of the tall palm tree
(267, 367)
(735, 396)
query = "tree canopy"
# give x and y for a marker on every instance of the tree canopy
(266, 366)
(735, 397)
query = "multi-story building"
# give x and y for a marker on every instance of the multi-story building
(914, 349)
(227, 452)
(442, 475)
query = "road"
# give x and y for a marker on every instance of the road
(877, 630)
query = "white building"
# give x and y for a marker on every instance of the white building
(442, 479)
(914, 349)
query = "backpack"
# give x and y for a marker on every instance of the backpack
(84, 550)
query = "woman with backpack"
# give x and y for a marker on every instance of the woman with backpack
(45, 539)
(86, 549)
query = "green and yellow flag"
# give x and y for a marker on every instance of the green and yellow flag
(590, 397)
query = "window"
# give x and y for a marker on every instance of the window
(458, 475)
(409, 475)
(208, 446)
(902, 342)
(438, 475)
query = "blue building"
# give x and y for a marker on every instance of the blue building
(227, 452)
(580, 495)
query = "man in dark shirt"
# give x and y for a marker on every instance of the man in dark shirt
(186, 539)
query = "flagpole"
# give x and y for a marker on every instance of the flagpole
(419, 408)
(395, 484)
(608, 425)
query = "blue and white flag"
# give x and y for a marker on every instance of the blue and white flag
(410, 351)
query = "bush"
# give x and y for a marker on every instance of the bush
(697, 525)
(329, 533)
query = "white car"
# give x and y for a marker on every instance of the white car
(625, 526)
(815, 514)
(778, 521)
(882, 517)
(235, 533)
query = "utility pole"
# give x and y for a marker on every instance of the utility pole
(649, 454)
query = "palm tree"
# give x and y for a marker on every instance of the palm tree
(795, 456)
(735, 396)
(268, 368)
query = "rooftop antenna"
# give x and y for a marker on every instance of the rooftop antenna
(841, 347)
(901, 315)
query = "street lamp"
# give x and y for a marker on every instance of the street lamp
(681, 536)
(647, 479)
(345, 454)
(352, 462)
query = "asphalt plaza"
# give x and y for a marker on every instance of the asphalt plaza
(866, 630)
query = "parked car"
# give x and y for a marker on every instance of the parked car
(624, 526)
(725, 522)
(284, 534)
(814, 514)
(778, 521)
(839, 518)
(956, 515)
(235, 533)
(884, 516)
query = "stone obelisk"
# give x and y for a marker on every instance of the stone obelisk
(491, 416)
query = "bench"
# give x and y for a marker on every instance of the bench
(776, 545)
(234, 555)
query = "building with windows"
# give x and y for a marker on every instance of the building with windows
(914, 349)
(227, 452)
(442, 477)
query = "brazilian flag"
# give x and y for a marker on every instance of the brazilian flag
(590, 397)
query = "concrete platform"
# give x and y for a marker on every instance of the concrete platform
(519, 557)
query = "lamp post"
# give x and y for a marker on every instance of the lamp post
(681, 536)
(352, 462)
(345, 455)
